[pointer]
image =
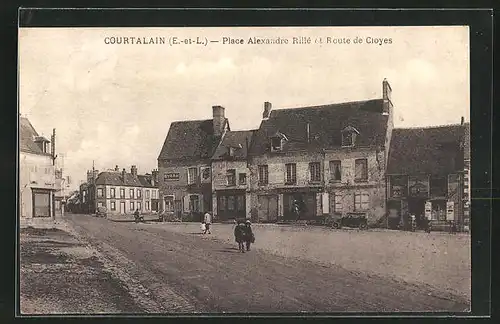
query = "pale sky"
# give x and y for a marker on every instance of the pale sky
(114, 103)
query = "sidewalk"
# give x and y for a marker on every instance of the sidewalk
(437, 259)
(61, 273)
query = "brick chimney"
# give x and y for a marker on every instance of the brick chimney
(123, 174)
(154, 177)
(267, 110)
(53, 144)
(218, 120)
(387, 97)
(133, 170)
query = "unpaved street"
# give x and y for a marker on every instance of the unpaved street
(189, 272)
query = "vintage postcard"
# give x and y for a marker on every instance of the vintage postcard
(244, 170)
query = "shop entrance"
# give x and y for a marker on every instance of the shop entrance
(416, 206)
(299, 206)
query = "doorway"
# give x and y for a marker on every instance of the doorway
(268, 208)
(41, 203)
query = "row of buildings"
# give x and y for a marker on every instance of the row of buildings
(41, 182)
(323, 160)
(121, 192)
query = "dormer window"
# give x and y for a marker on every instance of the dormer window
(349, 136)
(276, 144)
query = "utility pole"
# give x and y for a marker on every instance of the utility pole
(94, 187)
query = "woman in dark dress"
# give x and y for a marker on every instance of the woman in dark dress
(239, 236)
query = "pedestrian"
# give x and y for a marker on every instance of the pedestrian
(249, 235)
(239, 236)
(208, 221)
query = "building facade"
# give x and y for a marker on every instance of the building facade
(426, 176)
(184, 165)
(120, 192)
(37, 181)
(310, 162)
(231, 176)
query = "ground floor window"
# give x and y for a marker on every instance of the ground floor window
(337, 202)
(139, 205)
(361, 201)
(100, 204)
(132, 205)
(113, 205)
(41, 203)
(147, 205)
(194, 203)
(169, 203)
(439, 210)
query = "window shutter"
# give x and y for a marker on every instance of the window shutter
(186, 203)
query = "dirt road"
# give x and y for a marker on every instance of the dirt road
(188, 272)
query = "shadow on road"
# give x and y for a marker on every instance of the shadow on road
(196, 233)
(229, 250)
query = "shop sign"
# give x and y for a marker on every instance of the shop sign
(172, 176)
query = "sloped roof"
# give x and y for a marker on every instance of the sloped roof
(431, 150)
(325, 126)
(115, 179)
(239, 140)
(467, 141)
(193, 139)
(27, 134)
(145, 180)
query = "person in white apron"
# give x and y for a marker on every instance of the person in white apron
(208, 221)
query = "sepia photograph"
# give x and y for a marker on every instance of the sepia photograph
(244, 170)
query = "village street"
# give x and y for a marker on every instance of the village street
(173, 268)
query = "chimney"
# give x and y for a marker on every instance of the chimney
(462, 121)
(154, 177)
(133, 170)
(218, 120)
(123, 174)
(308, 129)
(89, 176)
(387, 97)
(53, 143)
(267, 110)
(117, 168)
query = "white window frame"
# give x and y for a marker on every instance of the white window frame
(264, 175)
(192, 179)
(316, 173)
(366, 170)
(112, 192)
(331, 165)
(337, 203)
(361, 204)
(100, 192)
(291, 173)
(231, 174)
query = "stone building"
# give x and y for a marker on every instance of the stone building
(37, 181)
(231, 176)
(184, 165)
(120, 192)
(426, 175)
(326, 160)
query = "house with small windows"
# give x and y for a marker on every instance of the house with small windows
(121, 192)
(184, 165)
(427, 175)
(310, 162)
(37, 179)
(230, 176)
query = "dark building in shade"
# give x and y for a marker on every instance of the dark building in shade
(425, 175)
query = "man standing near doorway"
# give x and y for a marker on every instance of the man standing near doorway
(207, 218)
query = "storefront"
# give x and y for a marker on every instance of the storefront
(231, 204)
(299, 206)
